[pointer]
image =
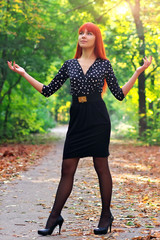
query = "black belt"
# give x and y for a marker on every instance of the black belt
(87, 98)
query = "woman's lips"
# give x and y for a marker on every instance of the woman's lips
(83, 41)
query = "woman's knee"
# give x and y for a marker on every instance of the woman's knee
(101, 165)
(69, 167)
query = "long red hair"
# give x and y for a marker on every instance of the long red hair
(99, 45)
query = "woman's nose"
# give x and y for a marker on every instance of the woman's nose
(84, 35)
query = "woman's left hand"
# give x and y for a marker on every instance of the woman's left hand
(146, 64)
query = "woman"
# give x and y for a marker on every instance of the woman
(89, 127)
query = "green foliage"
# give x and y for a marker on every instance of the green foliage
(26, 116)
(63, 113)
(40, 35)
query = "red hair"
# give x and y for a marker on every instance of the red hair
(99, 45)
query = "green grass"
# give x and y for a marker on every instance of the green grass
(35, 139)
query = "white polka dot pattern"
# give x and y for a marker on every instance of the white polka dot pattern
(84, 84)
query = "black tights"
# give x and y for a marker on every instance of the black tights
(69, 167)
(105, 184)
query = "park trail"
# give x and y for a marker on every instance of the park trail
(26, 202)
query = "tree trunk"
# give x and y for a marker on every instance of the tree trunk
(141, 80)
(152, 89)
(142, 105)
(7, 113)
(4, 53)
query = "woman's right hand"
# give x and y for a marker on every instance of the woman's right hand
(16, 68)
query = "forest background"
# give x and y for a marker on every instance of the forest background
(41, 34)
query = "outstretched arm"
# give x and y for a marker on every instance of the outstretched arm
(127, 87)
(16, 68)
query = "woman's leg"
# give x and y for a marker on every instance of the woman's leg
(69, 167)
(105, 184)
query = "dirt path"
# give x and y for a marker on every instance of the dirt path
(25, 202)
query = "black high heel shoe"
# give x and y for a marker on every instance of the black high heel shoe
(48, 231)
(104, 230)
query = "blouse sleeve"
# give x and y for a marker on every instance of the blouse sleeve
(113, 83)
(57, 81)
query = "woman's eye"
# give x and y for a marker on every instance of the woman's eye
(88, 33)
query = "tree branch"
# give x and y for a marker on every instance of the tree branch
(132, 61)
(100, 17)
(10, 88)
(78, 7)
(131, 6)
(148, 75)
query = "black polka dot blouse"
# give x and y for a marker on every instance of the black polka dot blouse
(84, 84)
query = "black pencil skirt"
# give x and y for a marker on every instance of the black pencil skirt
(89, 129)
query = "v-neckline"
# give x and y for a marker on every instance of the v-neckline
(87, 69)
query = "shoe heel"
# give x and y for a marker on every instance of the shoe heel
(112, 218)
(60, 226)
(48, 231)
(104, 230)
(110, 227)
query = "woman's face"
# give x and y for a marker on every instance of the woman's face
(86, 39)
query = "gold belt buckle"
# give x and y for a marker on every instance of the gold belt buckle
(82, 99)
